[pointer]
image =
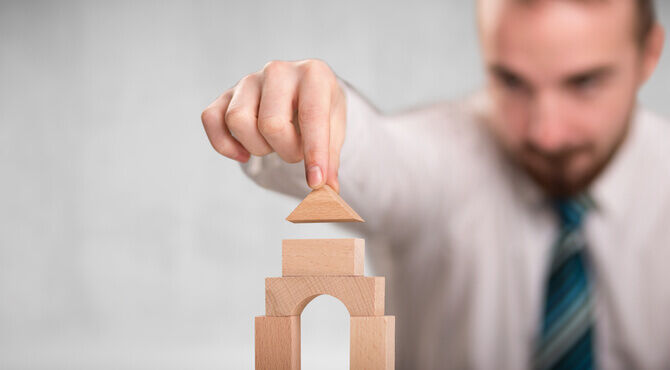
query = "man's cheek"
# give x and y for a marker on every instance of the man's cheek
(517, 134)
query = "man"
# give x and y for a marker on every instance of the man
(524, 227)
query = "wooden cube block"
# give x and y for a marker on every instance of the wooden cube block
(309, 257)
(277, 343)
(288, 296)
(372, 343)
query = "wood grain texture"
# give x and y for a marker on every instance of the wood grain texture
(312, 257)
(277, 343)
(323, 205)
(372, 343)
(288, 296)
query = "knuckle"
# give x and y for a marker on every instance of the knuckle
(248, 79)
(210, 117)
(274, 67)
(223, 148)
(316, 66)
(271, 125)
(237, 118)
(260, 151)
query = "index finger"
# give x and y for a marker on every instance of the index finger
(314, 121)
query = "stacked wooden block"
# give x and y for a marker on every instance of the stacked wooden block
(311, 267)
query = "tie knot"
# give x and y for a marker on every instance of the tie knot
(571, 211)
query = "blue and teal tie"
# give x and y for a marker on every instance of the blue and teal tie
(566, 340)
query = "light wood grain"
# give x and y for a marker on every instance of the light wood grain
(277, 343)
(311, 257)
(323, 205)
(372, 343)
(288, 296)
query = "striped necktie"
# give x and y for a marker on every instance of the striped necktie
(566, 340)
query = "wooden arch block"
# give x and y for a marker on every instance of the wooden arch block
(372, 343)
(277, 343)
(310, 257)
(288, 296)
(323, 205)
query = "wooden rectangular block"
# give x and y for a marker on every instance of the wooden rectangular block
(277, 343)
(288, 296)
(309, 257)
(372, 343)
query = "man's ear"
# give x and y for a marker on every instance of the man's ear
(652, 51)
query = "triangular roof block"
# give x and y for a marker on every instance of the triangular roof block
(323, 205)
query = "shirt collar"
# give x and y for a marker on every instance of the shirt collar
(612, 188)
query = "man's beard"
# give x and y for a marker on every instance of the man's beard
(559, 180)
(556, 172)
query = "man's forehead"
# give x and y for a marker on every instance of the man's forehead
(553, 36)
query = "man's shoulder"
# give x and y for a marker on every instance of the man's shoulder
(646, 173)
(453, 136)
(653, 132)
(651, 161)
(654, 120)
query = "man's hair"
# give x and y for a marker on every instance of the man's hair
(645, 19)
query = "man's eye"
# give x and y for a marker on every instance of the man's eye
(584, 82)
(510, 81)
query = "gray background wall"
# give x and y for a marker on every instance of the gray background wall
(125, 241)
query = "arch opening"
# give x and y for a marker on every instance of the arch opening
(324, 325)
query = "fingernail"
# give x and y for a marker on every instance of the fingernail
(314, 176)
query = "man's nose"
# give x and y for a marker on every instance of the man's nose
(547, 130)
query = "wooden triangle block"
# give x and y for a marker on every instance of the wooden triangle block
(323, 205)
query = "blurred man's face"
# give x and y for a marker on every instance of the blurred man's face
(563, 77)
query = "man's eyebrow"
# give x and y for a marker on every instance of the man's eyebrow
(501, 69)
(597, 72)
(505, 72)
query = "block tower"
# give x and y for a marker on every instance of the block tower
(311, 267)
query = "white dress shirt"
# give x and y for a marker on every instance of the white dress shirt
(463, 236)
